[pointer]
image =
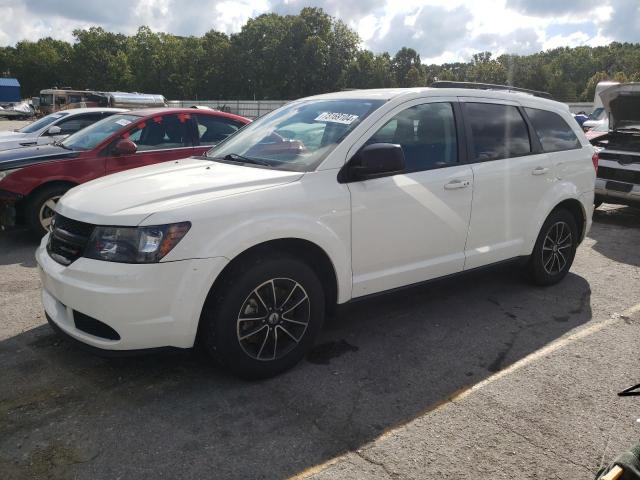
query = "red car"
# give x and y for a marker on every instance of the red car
(33, 179)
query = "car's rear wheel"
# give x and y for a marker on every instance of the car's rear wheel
(555, 248)
(40, 208)
(264, 317)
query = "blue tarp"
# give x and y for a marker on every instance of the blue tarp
(9, 90)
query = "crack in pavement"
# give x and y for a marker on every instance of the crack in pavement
(546, 452)
(360, 453)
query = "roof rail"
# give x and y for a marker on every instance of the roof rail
(489, 86)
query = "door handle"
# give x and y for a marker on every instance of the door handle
(539, 171)
(456, 184)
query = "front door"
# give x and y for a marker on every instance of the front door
(159, 139)
(411, 227)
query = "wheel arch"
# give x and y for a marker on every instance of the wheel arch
(309, 252)
(577, 210)
(49, 184)
(563, 195)
(24, 201)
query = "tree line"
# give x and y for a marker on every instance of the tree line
(290, 56)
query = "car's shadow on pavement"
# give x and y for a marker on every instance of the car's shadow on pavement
(613, 243)
(17, 246)
(380, 363)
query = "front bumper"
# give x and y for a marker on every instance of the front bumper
(613, 196)
(8, 202)
(148, 305)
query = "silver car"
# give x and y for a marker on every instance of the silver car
(619, 167)
(54, 127)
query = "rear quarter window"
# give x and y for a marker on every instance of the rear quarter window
(212, 130)
(553, 131)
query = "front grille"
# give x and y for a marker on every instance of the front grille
(629, 176)
(68, 239)
(620, 157)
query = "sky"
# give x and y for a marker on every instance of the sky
(440, 30)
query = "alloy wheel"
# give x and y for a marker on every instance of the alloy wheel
(47, 209)
(273, 319)
(556, 248)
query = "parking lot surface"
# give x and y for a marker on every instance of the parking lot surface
(464, 378)
(12, 124)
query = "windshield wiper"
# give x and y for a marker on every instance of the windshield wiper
(60, 144)
(234, 157)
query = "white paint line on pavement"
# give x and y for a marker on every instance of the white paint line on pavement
(538, 354)
(630, 311)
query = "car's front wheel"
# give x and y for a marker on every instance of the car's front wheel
(264, 317)
(555, 248)
(40, 208)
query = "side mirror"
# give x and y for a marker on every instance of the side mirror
(376, 160)
(124, 146)
(55, 130)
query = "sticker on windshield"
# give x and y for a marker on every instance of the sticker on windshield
(123, 121)
(344, 118)
(57, 115)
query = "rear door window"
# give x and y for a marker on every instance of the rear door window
(497, 131)
(78, 122)
(554, 133)
(212, 130)
(162, 133)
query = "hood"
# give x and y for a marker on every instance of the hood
(11, 135)
(127, 198)
(24, 157)
(623, 104)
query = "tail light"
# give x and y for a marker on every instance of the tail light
(595, 159)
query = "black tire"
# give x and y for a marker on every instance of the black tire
(36, 203)
(545, 263)
(223, 322)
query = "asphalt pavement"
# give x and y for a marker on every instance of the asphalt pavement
(482, 376)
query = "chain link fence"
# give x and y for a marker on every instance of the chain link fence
(246, 108)
(256, 108)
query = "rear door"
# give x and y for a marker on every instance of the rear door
(211, 130)
(159, 139)
(511, 177)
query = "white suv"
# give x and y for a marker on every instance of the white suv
(325, 200)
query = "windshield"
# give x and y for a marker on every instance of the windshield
(297, 136)
(90, 137)
(597, 114)
(43, 122)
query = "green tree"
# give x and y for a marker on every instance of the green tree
(40, 64)
(289, 56)
(403, 62)
(100, 60)
(484, 69)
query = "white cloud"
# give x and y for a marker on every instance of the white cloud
(440, 30)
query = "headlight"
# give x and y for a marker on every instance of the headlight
(135, 244)
(6, 173)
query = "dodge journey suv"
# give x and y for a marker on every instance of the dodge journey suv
(327, 199)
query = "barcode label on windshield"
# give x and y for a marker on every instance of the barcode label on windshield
(123, 121)
(345, 118)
